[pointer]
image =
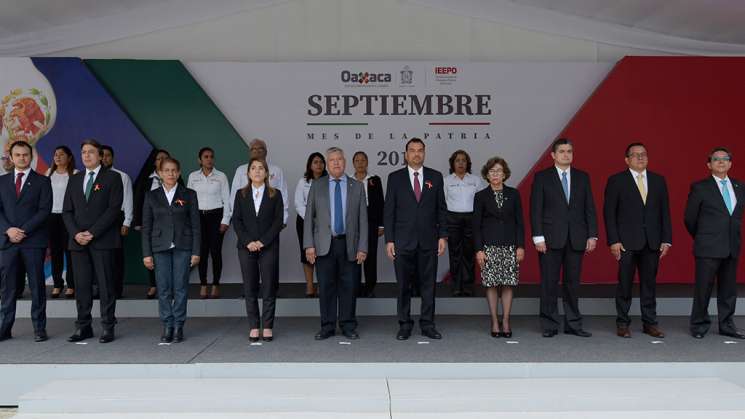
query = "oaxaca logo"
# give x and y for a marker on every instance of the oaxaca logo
(365, 77)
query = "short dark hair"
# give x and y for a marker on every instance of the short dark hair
(714, 150)
(171, 160)
(107, 147)
(454, 156)
(94, 143)
(491, 163)
(20, 143)
(204, 150)
(308, 172)
(415, 140)
(560, 141)
(360, 153)
(632, 145)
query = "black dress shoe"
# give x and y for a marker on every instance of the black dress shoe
(81, 335)
(431, 333)
(5, 336)
(403, 334)
(167, 336)
(179, 334)
(350, 334)
(733, 334)
(550, 333)
(325, 334)
(697, 335)
(40, 336)
(578, 332)
(107, 336)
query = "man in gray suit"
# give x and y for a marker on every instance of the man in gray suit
(335, 239)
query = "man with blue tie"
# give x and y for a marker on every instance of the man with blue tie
(335, 239)
(564, 224)
(712, 216)
(25, 205)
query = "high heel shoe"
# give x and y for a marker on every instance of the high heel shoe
(70, 294)
(496, 334)
(203, 292)
(266, 338)
(56, 292)
(253, 339)
(507, 334)
(150, 295)
(215, 294)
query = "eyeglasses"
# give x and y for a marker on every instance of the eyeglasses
(725, 158)
(495, 172)
(639, 156)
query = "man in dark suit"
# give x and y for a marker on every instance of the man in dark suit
(91, 208)
(416, 232)
(335, 239)
(637, 221)
(713, 216)
(562, 216)
(25, 205)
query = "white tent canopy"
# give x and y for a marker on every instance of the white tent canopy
(712, 27)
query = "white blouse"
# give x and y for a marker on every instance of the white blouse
(301, 196)
(59, 186)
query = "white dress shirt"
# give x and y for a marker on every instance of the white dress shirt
(87, 176)
(59, 187)
(169, 196)
(257, 194)
(644, 178)
(128, 202)
(730, 188)
(157, 183)
(23, 178)
(459, 193)
(213, 191)
(276, 180)
(301, 196)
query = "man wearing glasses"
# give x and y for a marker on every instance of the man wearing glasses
(713, 215)
(637, 222)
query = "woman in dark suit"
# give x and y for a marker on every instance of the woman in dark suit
(374, 195)
(498, 235)
(170, 245)
(146, 181)
(258, 213)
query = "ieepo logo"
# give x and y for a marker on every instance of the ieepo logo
(365, 77)
(446, 70)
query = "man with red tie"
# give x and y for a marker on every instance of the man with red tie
(416, 231)
(25, 204)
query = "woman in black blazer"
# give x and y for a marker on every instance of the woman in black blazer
(498, 235)
(170, 245)
(375, 201)
(258, 213)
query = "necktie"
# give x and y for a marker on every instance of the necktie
(89, 185)
(565, 185)
(725, 195)
(19, 182)
(642, 189)
(338, 209)
(417, 187)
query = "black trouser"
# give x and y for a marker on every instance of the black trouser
(99, 264)
(338, 279)
(709, 270)
(58, 248)
(370, 265)
(119, 261)
(551, 264)
(460, 246)
(416, 268)
(33, 259)
(211, 244)
(258, 268)
(646, 262)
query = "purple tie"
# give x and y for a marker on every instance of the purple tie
(417, 187)
(19, 178)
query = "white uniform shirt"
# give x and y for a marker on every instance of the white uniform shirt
(276, 181)
(213, 191)
(301, 196)
(59, 187)
(128, 202)
(459, 193)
